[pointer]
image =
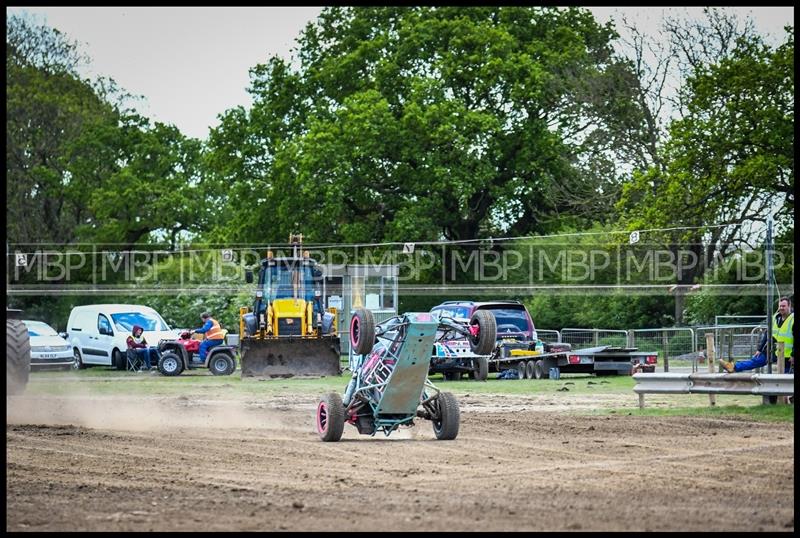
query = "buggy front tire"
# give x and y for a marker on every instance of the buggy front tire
(330, 417)
(445, 424)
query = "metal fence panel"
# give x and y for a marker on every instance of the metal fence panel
(583, 338)
(676, 344)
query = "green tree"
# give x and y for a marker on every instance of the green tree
(728, 161)
(422, 123)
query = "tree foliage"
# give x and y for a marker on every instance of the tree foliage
(421, 123)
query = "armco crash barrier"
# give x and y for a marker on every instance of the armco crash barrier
(741, 383)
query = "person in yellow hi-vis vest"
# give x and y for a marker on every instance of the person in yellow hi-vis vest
(213, 332)
(782, 326)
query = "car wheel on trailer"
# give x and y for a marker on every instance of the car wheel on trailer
(484, 341)
(362, 331)
(222, 363)
(481, 370)
(521, 370)
(330, 417)
(447, 417)
(170, 364)
(452, 376)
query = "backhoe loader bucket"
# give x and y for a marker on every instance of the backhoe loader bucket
(289, 356)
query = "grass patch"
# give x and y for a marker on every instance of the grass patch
(760, 412)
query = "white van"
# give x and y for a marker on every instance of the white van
(98, 332)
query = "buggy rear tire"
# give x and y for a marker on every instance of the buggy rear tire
(483, 343)
(330, 417)
(222, 363)
(362, 331)
(481, 371)
(170, 364)
(445, 425)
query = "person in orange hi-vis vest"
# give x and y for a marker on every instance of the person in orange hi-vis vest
(213, 332)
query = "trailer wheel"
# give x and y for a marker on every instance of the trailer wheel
(481, 370)
(484, 341)
(530, 370)
(330, 417)
(362, 331)
(448, 416)
(538, 370)
(521, 370)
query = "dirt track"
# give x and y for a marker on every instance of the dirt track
(189, 464)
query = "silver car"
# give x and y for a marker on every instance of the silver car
(48, 349)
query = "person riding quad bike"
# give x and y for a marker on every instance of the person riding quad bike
(184, 354)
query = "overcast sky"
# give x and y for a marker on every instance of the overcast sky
(191, 64)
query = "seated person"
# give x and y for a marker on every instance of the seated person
(782, 326)
(137, 345)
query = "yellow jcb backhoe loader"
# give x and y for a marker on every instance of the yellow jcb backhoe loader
(288, 332)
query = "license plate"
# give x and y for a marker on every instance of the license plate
(48, 355)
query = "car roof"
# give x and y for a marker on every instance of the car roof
(481, 303)
(26, 321)
(115, 308)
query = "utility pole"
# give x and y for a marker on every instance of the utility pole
(769, 251)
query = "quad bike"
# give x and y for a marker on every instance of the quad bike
(389, 387)
(184, 354)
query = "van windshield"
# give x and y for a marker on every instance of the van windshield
(149, 322)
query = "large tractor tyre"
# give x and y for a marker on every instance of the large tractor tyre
(484, 341)
(362, 331)
(222, 364)
(330, 417)
(481, 371)
(170, 364)
(522, 370)
(539, 371)
(118, 360)
(77, 360)
(18, 356)
(445, 424)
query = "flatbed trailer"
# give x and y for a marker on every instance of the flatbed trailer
(560, 358)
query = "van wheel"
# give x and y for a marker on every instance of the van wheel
(77, 361)
(118, 360)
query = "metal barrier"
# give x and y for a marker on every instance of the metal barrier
(583, 338)
(548, 335)
(672, 343)
(696, 383)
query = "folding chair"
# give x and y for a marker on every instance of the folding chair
(135, 361)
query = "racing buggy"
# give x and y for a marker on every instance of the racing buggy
(389, 386)
(184, 354)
